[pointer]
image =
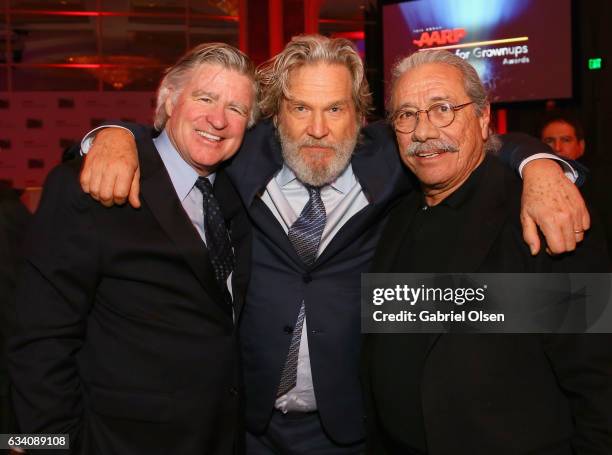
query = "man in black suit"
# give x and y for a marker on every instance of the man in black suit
(126, 337)
(475, 394)
(300, 328)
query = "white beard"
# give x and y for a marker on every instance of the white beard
(316, 175)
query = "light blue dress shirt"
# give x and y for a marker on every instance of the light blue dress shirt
(183, 178)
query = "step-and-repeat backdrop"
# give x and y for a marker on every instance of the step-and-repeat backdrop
(36, 127)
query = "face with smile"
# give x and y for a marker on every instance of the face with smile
(208, 117)
(441, 158)
(561, 137)
(318, 122)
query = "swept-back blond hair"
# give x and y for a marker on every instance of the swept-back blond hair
(273, 75)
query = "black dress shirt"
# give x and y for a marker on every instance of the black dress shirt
(475, 229)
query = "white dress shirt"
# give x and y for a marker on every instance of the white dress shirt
(183, 178)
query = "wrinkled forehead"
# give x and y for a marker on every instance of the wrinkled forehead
(318, 78)
(428, 83)
(215, 75)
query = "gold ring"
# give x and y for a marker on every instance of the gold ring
(578, 232)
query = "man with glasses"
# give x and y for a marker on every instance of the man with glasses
(480, 394)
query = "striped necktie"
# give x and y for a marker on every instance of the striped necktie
(217, 237)
(305, 236)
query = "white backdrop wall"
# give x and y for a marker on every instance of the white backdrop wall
(35, 127)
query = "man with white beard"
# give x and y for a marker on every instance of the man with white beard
(317, 190)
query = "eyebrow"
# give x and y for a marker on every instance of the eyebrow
(197, 93)
(239, 106)
(433, 99)
(215, 97)
(299, 101)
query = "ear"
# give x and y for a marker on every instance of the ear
(484, 120)
(169, 104)
(581, 144)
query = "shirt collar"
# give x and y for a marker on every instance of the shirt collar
(182, 175)
(464, 193)
(342, 184)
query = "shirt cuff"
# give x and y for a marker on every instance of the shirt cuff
(568, 170)
(89, 137)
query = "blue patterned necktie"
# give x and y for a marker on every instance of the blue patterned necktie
(217, 237)
(305, 236)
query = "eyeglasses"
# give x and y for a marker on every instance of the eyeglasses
(439, 115)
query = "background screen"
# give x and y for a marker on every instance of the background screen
(520, 48)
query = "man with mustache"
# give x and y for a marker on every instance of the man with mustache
(317, 189)
(478, 394)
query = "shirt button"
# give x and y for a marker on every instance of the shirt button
(306, 278)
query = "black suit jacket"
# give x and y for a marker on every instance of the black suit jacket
(124, 338)
(490, 394)
(14, 218)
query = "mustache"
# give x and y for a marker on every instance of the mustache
(433, 145)
(311, 142)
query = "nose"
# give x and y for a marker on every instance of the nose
(556, 145)
(424, 129)
(217, 117)
(317, 126)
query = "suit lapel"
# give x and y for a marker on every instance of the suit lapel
(259, 159)
(264, 220)
(158, 192)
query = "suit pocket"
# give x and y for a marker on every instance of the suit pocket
(130, 404)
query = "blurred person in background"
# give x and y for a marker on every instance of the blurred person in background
(563, 132)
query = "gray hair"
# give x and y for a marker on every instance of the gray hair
(177, 75)
(471, 82)
(273, 75)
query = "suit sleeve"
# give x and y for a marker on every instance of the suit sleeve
(583, 365)
(516, 147)
(14, 218)
(374, 437)
(140, 132)
(54, 295)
